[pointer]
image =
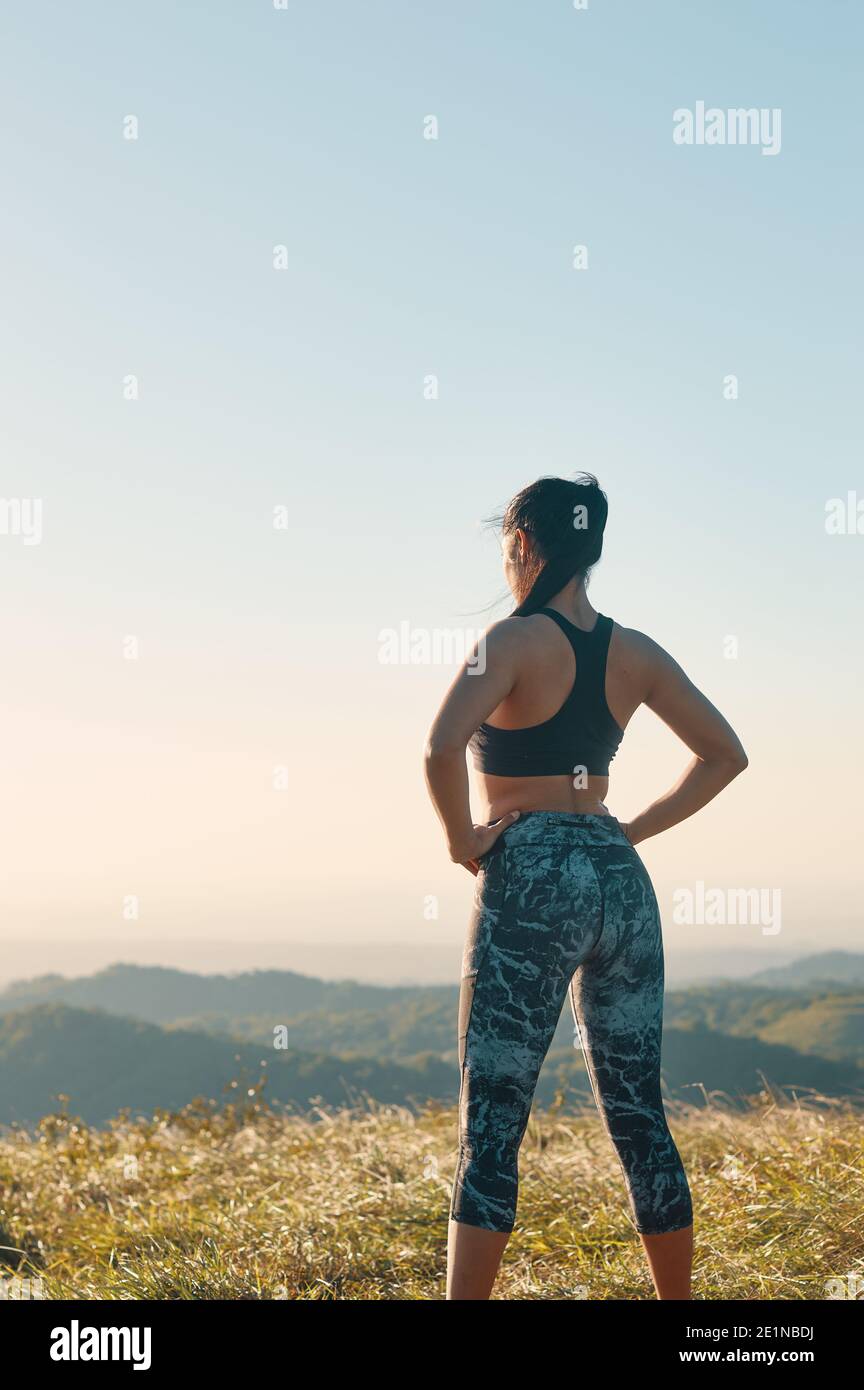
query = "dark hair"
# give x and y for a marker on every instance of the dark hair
(566, 521)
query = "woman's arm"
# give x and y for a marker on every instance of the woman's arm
(719, 755)
(484, 681)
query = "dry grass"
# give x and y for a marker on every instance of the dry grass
(249, 1204)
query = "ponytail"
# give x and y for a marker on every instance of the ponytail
(566, 521)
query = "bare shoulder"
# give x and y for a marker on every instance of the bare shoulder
(516, 634)
(507, 644)
(505, 633)
(640, 656)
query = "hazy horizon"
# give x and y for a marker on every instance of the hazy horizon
(365, 962)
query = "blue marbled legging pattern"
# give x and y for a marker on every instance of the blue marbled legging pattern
(563, 902)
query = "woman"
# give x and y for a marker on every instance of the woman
(563, 901)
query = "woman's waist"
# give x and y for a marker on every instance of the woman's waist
(560, 832)
(552, 794)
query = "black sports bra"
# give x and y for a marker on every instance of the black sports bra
(581, 736)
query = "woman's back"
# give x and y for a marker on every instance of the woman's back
(547, 702)
(578, 679)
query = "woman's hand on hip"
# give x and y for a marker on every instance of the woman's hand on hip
(631, 830)
(468, 852)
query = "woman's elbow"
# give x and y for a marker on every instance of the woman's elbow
(729, 760)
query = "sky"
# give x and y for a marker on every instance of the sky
(270, 363)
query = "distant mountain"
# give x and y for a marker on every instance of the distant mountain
(319, 1015)
(844, 968)
(158, 995)
(822, 1020)
(405, 1024)
(739, 1066)
(105, 1064)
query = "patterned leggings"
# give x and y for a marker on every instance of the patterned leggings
(563, 901)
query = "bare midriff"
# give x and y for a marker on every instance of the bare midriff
(502, 794)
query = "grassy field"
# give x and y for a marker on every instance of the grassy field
(244, 1203)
